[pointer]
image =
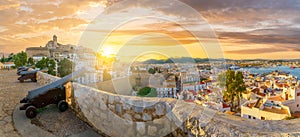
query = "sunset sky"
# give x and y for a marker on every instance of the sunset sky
(241, 29)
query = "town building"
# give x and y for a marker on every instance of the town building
(168, 88)
(85, 58)
(7, 65)
(272, 96)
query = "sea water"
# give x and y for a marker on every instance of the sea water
(292, 71)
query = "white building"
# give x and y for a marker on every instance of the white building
(86, 58)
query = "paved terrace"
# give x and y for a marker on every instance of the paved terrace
(13, 122)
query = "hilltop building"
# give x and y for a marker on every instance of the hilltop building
(52, 49)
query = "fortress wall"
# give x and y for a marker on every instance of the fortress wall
(37, 52)
(44, 78)
(118, 115)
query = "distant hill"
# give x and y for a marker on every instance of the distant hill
(203, 60)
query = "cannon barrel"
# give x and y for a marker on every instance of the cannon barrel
(56, 84)
(28, 72)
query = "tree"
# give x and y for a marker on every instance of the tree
(30, 61)
(203, 79)
(51, 66)
(2, 59)
(19, 59)
(234, 85)
(46, 63)
(151, 71)
(147, 92)
(41, 64)
(106, 75)
(230, 92)
(65, 67)
(239, 85)
(10, 58)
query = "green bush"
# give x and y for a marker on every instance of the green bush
(147, 92)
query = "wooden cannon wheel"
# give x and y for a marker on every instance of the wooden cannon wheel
(31, 112)
(62, 106)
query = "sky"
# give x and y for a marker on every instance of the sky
(145, 29)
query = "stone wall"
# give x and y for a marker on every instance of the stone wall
(37, 51)
(117, 115)
(44, 78)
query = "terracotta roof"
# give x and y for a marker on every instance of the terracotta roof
(229, 112)
(190, 100)
(251, 105)
(193, 91)
(296, 115)
(257, 91)
(225, 105)
(277, 98)
(279, 111)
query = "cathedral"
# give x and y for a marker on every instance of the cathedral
(52, 49)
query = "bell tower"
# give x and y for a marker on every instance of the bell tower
(54, 41)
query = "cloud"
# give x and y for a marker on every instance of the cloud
(22, 22)
(255, 51)
(248, 38)
(241, 25)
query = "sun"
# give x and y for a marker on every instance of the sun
(107, 52)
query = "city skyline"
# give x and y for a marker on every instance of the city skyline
(244, 29)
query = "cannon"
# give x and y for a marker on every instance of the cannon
(21, 69)
(52, 93)
(28, 75)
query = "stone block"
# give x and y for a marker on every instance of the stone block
(126, 106)
(159, 109)
(152, 130)
(137, 116)
(127, 117)
(117, 99)
(119, 108)
(96, 111)
(138, 109)
(159, 121)
(111, 107)
(168, 108)
(96, 104)
(104, 98)
(103, 107)
(147, 117)
(111, 99)
(140, 128)
(103, 115)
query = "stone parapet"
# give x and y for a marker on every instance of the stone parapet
(118, 115)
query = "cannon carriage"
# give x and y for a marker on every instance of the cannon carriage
(25, 75)
(52, 93)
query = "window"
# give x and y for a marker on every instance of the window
(263, 118)
(249, 117)
(297, 105)
(254, 117)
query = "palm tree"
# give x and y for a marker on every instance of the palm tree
(230, 87)
(240, 86)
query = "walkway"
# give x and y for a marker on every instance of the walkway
(49, 123)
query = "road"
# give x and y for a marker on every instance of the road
(11, 91)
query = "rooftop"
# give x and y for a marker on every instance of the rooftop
(37, 48)
(278, 111)
(277, 98)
